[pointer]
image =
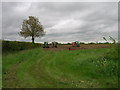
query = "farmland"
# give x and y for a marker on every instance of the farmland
(82, 46)
(89, 66)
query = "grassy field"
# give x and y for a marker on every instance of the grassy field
(89, 68)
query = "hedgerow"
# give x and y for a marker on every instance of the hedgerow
(9, 46)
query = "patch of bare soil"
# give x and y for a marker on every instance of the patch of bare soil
(83, 46)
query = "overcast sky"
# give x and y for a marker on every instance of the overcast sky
(62, 21)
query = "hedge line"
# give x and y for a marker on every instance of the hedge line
(8, 46)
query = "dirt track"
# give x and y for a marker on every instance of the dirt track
(69, 47)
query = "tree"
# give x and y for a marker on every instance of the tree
(31, 27)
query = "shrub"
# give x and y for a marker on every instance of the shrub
(108, 64)
(10, 46)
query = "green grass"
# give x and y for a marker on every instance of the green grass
(61, 69)
(0, 70)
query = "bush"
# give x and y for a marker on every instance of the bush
(82, 43)
(108, 64)
(91, 43)
(10, 46)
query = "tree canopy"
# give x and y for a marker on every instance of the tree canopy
(31, 27)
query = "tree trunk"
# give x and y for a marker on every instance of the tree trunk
(33, 40)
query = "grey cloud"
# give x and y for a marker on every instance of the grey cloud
(63, 21)
(0, 20)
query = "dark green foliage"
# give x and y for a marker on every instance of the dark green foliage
(107, 64)
(32, 28)
(68, 43)
(82, 42)
(11, 46)
(91, 43)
